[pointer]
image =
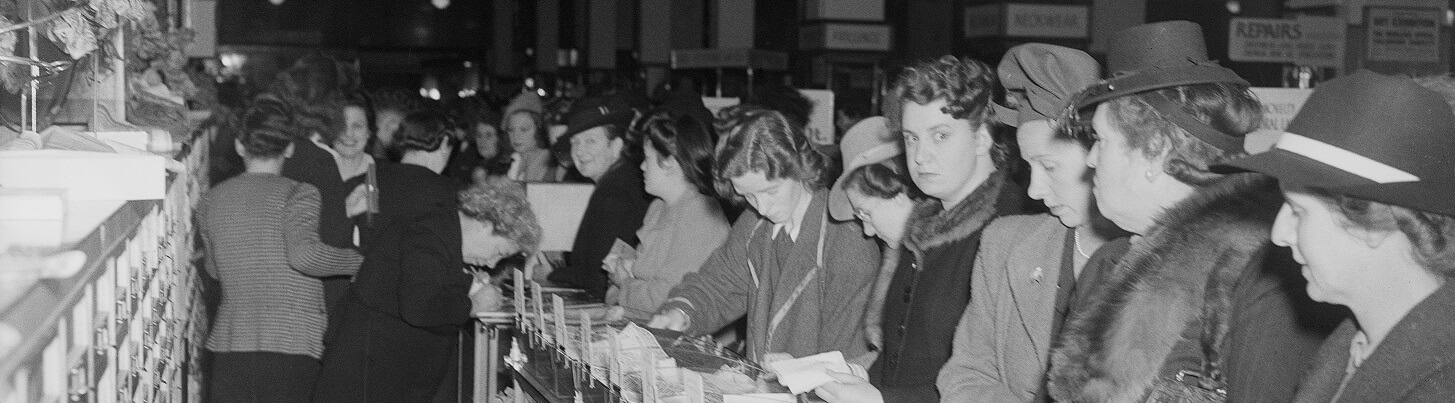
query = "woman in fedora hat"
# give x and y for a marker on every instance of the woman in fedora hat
(1030, 266)
(1199, 306)
(1369, 214)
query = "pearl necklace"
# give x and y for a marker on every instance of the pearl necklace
(1076, 239)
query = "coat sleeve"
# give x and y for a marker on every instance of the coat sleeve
(853, 263)
(972, 373)
(306, 253)
(199, 217)
(718, 292)
(433, 288)
(1275, 332)
(691, 246)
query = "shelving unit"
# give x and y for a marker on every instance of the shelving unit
(129, 325)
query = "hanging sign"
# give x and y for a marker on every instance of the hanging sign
(1309, 41)
(1046, 20)
(1280, 104)
(1404, 34)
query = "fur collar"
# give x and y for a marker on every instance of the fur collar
(930, 225)
(1113, 349)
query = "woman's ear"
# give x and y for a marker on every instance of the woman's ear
(288, 152)
(237, 146)
(983, 140)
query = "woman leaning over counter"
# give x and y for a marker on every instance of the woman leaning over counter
(1369, 214)
(798, 277)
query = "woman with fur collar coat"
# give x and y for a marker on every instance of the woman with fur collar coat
(1202, 306)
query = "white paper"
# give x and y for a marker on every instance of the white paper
(559, 208)
(804, 374)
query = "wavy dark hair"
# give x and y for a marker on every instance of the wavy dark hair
(267, 128)
(502, 202)
(753, 139)
(967, 85)
(885, 179)
(684, 139)
(425, 130)
(359, 99)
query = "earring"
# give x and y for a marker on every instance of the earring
(1151, 173)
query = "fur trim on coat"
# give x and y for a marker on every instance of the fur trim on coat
(1114, 349)
(930, 225)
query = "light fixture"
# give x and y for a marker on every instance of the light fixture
(440, 4)
(1234, 6)
(276, 2)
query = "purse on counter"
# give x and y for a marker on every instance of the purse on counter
(1205, 385)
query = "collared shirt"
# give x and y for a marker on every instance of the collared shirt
(1359, 350)
(796, 221)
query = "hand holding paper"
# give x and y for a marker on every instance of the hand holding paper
(801, 375)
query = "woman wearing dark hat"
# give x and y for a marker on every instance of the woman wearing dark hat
(800, 278)
(1369, 214)
(1030, 266)
(1199, 307)
(603, 152)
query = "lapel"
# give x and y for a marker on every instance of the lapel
(1418, 344)
(1035, 300)
(1322, 380)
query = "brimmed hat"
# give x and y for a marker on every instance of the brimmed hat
(592, 112)
(866, 143)
(1163, 55)
(1371, 137)
(1042, 78)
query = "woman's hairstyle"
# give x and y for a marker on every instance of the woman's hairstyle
(685, 139)
(884, 180)
(396, 99)
(312, 87)
(267, 128)
(358, 99)
(1229, 108)
(753, 139)
(1432, 236)
(502, 203)
(543, 139)
(967, 85)
(424, 131)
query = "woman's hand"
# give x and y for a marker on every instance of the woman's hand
(357, 201)
(671, 319)
(485, 297)
(848, 389)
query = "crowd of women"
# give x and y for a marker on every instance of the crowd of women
(1176, 261)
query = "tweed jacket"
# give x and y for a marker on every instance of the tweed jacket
(742, 277)
(1004, 338)
(1144, 320)
(1414, 363)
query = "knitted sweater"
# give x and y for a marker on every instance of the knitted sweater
(261, 237)
(676, 240)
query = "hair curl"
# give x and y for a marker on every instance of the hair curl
(966, 85)
(267, 128)
(753, 139)
(885, 179)
(502, 203)
(1229, 108)
(685, 139)
(1431, 235)
(425, 130)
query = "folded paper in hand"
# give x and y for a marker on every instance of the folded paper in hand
(804, 374)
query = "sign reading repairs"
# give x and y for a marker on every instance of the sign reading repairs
(1308, 41)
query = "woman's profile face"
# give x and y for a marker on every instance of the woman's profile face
(1335, 262)
(774, 199)
(522, 130)
(660, 174)
(1059, 176)
(487, 140)
(356, 134)
(884, 218)
(1123, 176)
(481, 246)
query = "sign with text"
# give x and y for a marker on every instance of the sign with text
(834, 36)
(1280, 104)
(1046, 20)
(1404, 34)
(1309, 41)
(982, 20)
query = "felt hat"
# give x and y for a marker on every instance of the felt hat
(597, 111)
(526, 100)
(1368, 136)
(866, 143)
(1163, 55)
(1042, 78)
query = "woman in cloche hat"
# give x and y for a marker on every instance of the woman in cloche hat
(1197, 308)
(1365, 169)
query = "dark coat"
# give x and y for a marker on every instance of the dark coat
(396, 331)
(931, 287)
(1140, 321)
(313, 165)
(1414, 363)
(615, 211)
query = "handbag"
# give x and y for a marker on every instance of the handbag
(1206, 384)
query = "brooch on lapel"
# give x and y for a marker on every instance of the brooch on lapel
(1036, 275)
